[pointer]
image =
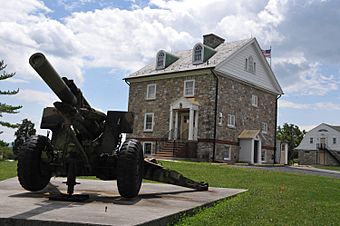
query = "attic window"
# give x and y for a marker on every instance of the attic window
(198, 54)
(250, 65)
(160, 64)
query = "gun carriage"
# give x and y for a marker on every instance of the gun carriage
(86, 142)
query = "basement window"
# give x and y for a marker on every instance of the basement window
(226, 153)
(147, 148)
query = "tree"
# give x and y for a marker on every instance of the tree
(25, 131)
(6, 108)
(292, 135)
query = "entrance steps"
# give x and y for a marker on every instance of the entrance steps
(169, 149)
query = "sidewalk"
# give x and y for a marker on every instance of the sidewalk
(311, 168)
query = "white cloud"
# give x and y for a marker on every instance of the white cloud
(325, 106)
(38, 97)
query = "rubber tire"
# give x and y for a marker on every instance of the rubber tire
(130, 168)
(30, 166)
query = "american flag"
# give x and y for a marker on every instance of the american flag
(267, 52)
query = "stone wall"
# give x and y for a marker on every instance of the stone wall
(236, 98)
(307, 157)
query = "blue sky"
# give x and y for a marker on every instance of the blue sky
(97, 43)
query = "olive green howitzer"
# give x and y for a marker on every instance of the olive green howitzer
(86, 142)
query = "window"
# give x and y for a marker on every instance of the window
(334, 140)
(311, 140)
(250, 65)
(148, 148)
(148, 122)
(226, 153)
(264, 127)
(263, 156)
(197, 56)
(220, 119)
(160, 63)
(254, 100)
(151, 92)
(231, 120)
(189, 88)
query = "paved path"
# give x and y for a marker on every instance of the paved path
(299, 169)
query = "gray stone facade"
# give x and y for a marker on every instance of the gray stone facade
(234, 97)
(317, 157)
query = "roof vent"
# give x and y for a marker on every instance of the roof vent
(212, 40)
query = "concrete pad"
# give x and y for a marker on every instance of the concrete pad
(157, 204)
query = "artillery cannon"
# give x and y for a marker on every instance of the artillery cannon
(86, 142)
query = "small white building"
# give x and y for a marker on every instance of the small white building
(320, 146)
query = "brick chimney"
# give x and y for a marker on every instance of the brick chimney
(212, 40)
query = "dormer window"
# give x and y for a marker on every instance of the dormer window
(198, 52)
(201, 53)
(160, 64)
(250, 65)
(164, 59)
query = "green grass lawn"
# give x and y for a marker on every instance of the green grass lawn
(8, 169)
(273, 198)
(336, 168)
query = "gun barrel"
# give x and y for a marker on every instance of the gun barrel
(41, 65)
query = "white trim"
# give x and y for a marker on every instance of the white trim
(220, 118)
(152, 151)
(194, 61)
(264, 127)
(148, 97)
(185, 88)
(152, 122)
(254, 100)
(231, 121)
(227, 149)
(159, 67)
(265, 155)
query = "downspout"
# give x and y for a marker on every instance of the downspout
(215, 112)
(275, 131)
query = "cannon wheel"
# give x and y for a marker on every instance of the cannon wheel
(130, 168)
(33, 173)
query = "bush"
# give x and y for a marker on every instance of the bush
(6, 153)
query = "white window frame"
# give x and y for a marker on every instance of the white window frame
(264, 157)
(227, 149)
(231, 121)
(220, 119)
(152, 148)
(160, 59)
(185, 88)
(195, 53)
(334, 140)
(264, 127)
(148, 95)
(152, 122)
(254, 100)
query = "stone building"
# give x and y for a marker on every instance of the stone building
(216, 101)
(320, 146)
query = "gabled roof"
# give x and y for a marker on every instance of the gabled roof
(184, 63)
(337, 128)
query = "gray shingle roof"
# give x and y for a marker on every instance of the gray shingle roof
(337, 128)
(184, 63)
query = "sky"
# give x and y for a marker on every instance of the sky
(99, 42)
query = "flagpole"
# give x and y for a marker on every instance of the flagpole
(270, 56)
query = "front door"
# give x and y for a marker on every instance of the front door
(256, 151)
(184, 125)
